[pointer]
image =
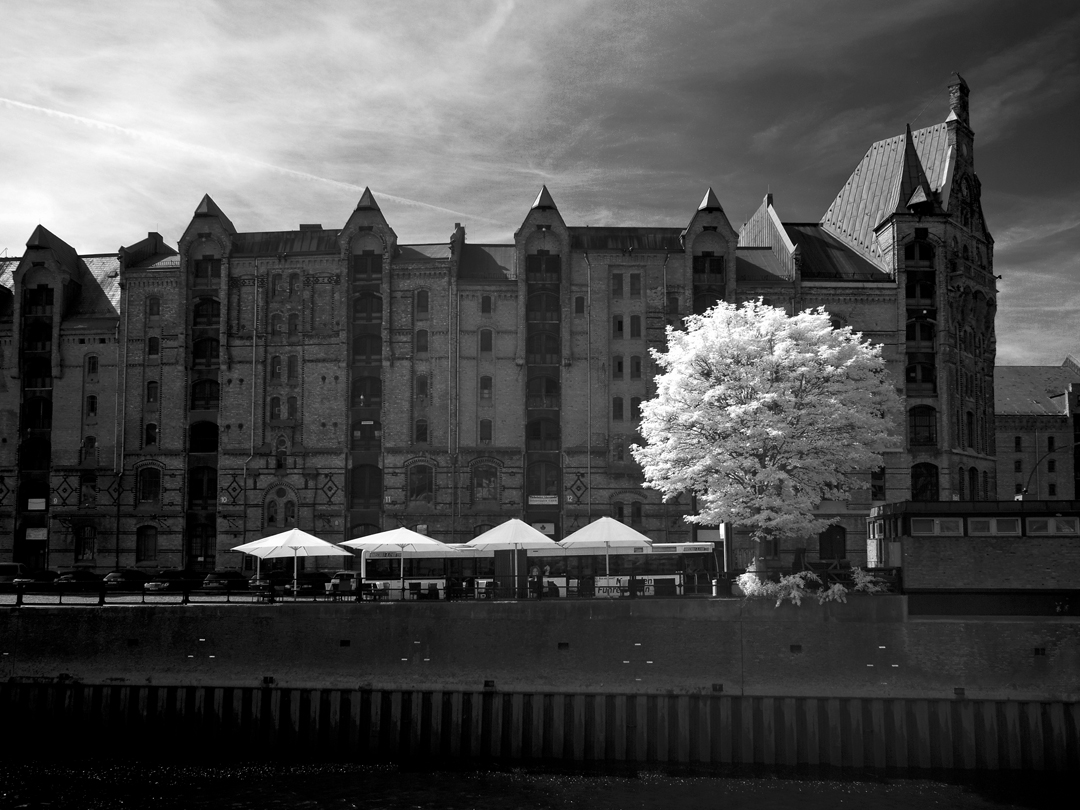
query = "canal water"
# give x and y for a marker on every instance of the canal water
(103, 784)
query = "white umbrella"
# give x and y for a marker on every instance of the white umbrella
(512, 535)
(293, 543)
(402, 540)
(606, 533)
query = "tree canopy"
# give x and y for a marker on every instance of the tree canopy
(762, 416)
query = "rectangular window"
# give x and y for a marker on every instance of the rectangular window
(947, 526)
(635, 326)
(616, 367)
(617, 327)
(988, 526)
(485, 431)
(635, 285)
(616, 286)
(1051, 466)
(1051, 490)
(1050, 447)
(1018, 466)
(1054, 525)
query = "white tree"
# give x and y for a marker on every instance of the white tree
(762, 416)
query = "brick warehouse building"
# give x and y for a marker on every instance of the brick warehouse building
(161, 406)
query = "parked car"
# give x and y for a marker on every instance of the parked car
(79, 579)
(173, 579)
(126, 579)
(225, 581)
(309, 583)
(277, 578)
(41, 579)
(9, 571)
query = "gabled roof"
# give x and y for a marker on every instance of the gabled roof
(487, 262)
(872, 192)
(274, 243)
(99, 295)
(44, 239)
(367, 201)
(759, 265)
(208, 208)
(912, 186)
(423, 253)
(1032, 390)
(544, 200)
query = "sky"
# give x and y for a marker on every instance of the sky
(116, 118)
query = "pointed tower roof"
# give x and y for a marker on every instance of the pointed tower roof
(44, 239)
(912, 187)
(543, 200)
(208, 208)
(367, 201)
(709, 202)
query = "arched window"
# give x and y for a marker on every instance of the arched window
(542, 392)
(365, 486)
(485, 431)
(91, 406)
(485, 340)
(205, 395)
(420, 431)
(366, 434)
(89, 450)
(635, 409)
(485, 305)
(617, 409)
(919, 252)
(153, 307)
(709, 264)
(485, 387)
(149, 485)
(542, 478)
(206, 312)
(920, 326)
(294, 285)
(276, 286)
(367, 349)
(275, 367)
(542, 307)
(542, 435)
(366, 392)
(421, 307)
(291, 408)
(275, 408)
(153, 346)
(543, 268)
(150, 436)
(832, 543)
(673, 305)
(420, 342)
(922, 426)
(421, 386)
(294, 323)
(921, 374)
(617, 327)
(635, 513)
(924, 482)
(367, 309)
(618, 511)
(91, 365)
(294, 367)
(542, 348)
(617, 367)
(277, 323)
(152, 391)
(281, 451)
(290, 513)
(145, 544)
(272, 513)
(204, 353)
(421, 486)
(635, 368)
(485, 483)
(203, 438)
(961, 483)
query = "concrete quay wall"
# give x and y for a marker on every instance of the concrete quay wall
(867, 648)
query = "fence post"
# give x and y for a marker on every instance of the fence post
(101, 595)
(19, 594)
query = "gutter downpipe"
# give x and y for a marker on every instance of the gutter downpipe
(664, 506)
(118, 438)
(588, 387)
(251, 424)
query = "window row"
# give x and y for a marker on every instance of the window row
(366, 483)
(617, 367)
(281, 287)
(617, 412)
(618, 326)
(1051, 444)
(617, 290)
(291, 367)
(282, 324)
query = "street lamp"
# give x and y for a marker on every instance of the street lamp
(1035, 467)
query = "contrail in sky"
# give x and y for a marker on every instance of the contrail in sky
(213, 153)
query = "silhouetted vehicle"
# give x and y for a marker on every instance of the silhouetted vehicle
(41, 579)
(126, 579)
(225, 581)
(309, 583)
(79, 579)
(9, 571)
(277, 578)
(173, 579)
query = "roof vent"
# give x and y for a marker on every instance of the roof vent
(304, 227)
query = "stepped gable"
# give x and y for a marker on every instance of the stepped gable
(871, 193)
(1033, 390)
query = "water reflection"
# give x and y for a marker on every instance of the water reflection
(268, 787)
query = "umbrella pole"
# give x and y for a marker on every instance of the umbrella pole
(295, 572)
(401, 562)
